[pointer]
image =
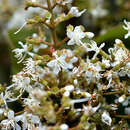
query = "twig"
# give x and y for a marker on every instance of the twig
(53, 29)
(36, 5)
(123, 116)
(63, 41)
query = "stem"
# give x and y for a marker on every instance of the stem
(104, 54)
(6, 3)
(35, 5)
(19, 113)
(63, 41)
(54, 5)
(45, 42)
(112, 93)
(123, 116)
(53, 29)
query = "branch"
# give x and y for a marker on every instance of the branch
(35, 5)
(123, 116)
(63, 41)
(113, 93)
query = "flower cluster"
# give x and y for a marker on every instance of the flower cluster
(64, 84)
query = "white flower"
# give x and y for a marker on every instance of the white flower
(127, 110)
(125, 70)
(92, 73)
(64, 2)
(75, 12)
(37, 47)
(126, 102)
(69, 88)
(75, 82)
(99, 12)
(20, 84)
(64, 127)
(77, 71)
(106, 62)
(58, 63)
(75, 36)
(118, 41)
(34, 0)
(19, 52)
(66, 94)
(10, 122)
(33, 69)
(121, 98)
(89, 110)
(28, 121)
(106, 118)
(127, 27)
(118, 53)
(93, 47)
(90, 34)
(110, 75)
(31, 102)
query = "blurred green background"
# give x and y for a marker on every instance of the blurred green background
(103, 17)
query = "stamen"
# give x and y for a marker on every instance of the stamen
(20, 28)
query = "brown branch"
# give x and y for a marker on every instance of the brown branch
(53, 29)
(117, 92)
(36, 5)
(123, 116)
(45, 42)
(63, 41)
(52, 7)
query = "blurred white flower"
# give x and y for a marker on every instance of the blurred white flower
(69, 88)
(10, 122)
(19, 16)
(64, 2)
(125, 70)
(99, 12)
(58, 63)
(28, 121)
(75, 36)
(36, 48)
(106, 118)
(34, 0)
(127, 110)
(90, 34)
(31, 102)
(126, 102)
(19, 52)
(64, 127)
(127, 27)
(106, 62)
(66, 94)
(89, 110)
(121, 98)
(75, 12)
